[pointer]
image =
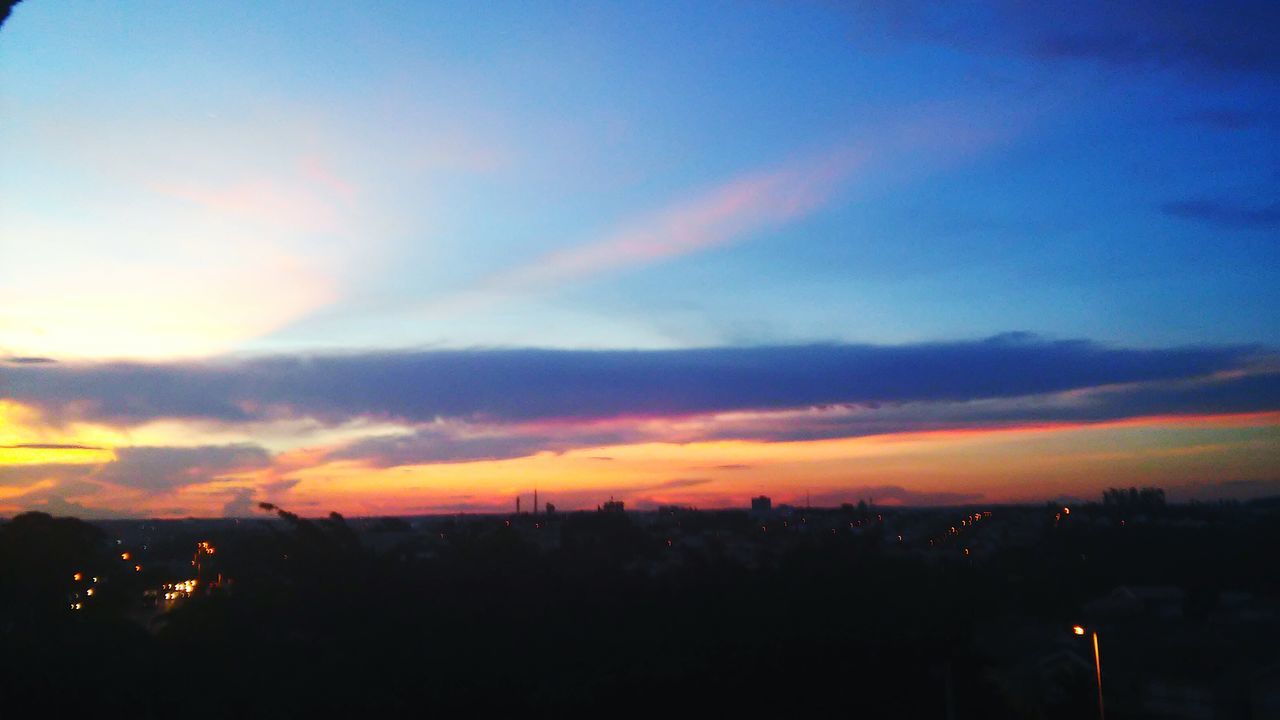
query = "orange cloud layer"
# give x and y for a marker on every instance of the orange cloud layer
(1186, 454)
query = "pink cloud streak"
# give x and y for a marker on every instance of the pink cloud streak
(728, 212)
(928, 139)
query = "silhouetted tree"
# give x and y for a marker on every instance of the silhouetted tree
(1148, 499)
(39, 555)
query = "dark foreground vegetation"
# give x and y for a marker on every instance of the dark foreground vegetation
(844, 612)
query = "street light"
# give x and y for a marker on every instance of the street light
(1097, 665)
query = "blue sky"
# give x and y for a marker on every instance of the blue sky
(1034, 197)
(210, 182)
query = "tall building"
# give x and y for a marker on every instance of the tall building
(761, 504)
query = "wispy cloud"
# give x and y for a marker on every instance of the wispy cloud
(50, 446)
(30, 476)
(452, 441)
(262, 201)
(724, 214)
(1150, 33)
(1229, 215)
(676, 483)
(730, 212)
(29, 360)
(280, 486)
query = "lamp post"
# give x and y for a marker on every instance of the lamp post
(1097, 665)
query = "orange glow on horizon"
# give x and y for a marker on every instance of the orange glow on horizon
(1011, 463)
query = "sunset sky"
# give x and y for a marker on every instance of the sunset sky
(401, 258)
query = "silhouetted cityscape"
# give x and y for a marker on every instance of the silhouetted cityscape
(962, 612)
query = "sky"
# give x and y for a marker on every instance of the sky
(411, 258)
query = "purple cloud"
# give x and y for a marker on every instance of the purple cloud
(158, 469)
(505, 386)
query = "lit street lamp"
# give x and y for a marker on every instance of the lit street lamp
(1097, 664)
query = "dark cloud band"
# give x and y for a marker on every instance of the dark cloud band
(524, 385)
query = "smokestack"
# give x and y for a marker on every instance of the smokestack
(535, 501)
(517, 504)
